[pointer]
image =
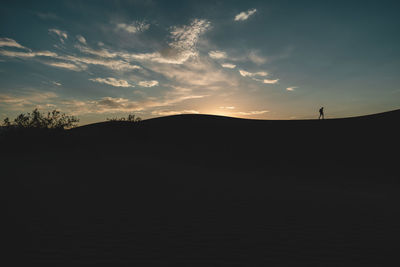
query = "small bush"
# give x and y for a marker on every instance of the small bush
(36, 119)
(130, 118)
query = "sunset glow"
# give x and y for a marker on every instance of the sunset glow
(139, 57)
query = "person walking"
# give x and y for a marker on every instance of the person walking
(321, 113)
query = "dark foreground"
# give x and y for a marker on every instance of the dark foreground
(204, 191)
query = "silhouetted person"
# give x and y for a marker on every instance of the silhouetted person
(321, 113)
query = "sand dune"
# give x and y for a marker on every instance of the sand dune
(202, 190)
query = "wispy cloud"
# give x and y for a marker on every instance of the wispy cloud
(189, 73)
(112, 81)
(184, 40)
(134, 27)
(81, 39)
(114, 64)
(99, 106)
(63, 65)
(100, 53)
(228, 65)
(199, 74)
(252, 74)
(112, 105)
(256, 58)
(31, 99)
(180, 48)
(111, 64)
(174, 112)
(27, 99)
(245, 14)
(217, 54)
(255, 112)
(148, 83)
(61, 34)
(228, 107)
(116, 103)
(267, 81)
(10, 43)
(291, 88)
(255, 76)
(18, 54)
(79, 62)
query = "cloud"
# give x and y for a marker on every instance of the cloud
(45, 54)
(63, 65)
(184, 41)
(140, 56)
(114, 64)
(199, 74)
(56, 83)
(113, 102)
(249, 113)
(112, 81)
(111, 64)
(27, 100)
(166, 56)
(253, 56)
(291, 88)
(62, 34)
(229, 107)
(30, 100)
(255, 75)
(9, 99)
(134, 27)
(186, 37)
(252, 74)
(176, 97)
(18, 54)
(217, 54)
(245, 14)
(174, 112)
(112, 105)
(148, 83)
(79, 62)
(257, 59)
(10, 43)
(100, 106)
(191, 75)
(181, 47)
(101, 53)
(81, 39)
(228, 65)
(266, 81)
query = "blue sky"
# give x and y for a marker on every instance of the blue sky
(250, 59)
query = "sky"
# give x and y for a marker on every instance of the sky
(249, 59)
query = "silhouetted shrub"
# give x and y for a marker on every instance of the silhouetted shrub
(130, 118)
(6, 122)
(36, 119)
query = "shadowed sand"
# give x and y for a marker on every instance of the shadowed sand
(201, 190)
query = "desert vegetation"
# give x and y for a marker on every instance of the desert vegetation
(51, 120)
(36, 119)
(130, 118)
